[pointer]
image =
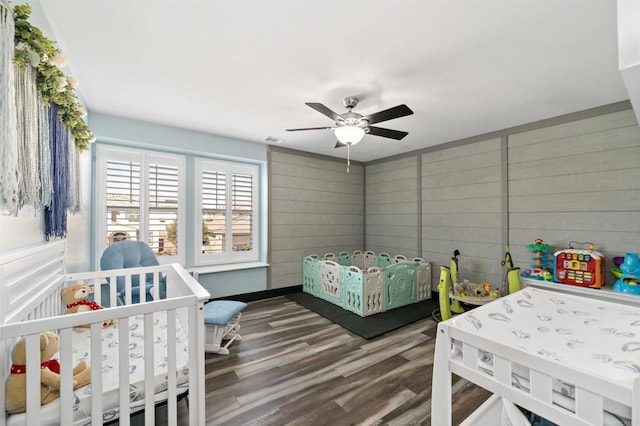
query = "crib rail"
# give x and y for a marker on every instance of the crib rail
(64, 327)
(183, 305)
(595, 397)
(173, 274)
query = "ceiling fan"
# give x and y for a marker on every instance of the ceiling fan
(350, 127)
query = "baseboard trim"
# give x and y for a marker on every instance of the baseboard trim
(264, 294)
(268, 294)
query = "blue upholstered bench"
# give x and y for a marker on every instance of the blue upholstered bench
(222, 322)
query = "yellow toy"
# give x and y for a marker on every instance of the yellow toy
(474, 294)
(16, 386)
(75, 298)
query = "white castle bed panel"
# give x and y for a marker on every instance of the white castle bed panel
(373, 291)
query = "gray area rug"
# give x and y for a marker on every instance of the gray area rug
(371, 326)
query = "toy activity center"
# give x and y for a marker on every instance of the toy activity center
(579, 267)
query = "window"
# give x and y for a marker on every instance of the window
(227, 206)
(140, 198)
(142, 195)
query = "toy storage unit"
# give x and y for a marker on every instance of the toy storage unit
(365, 283)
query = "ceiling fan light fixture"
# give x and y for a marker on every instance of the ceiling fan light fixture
(349, 135)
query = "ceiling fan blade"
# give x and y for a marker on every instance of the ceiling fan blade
(387, 133)
(389, 114)
(309, 128)
(340, 144)
(324, 110)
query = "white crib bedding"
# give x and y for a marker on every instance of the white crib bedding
(110, 375)
(597, 337)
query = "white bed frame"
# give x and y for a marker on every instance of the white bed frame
(30, 283)
(458, 352)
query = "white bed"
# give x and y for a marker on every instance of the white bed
(570, 359)
(155, 348)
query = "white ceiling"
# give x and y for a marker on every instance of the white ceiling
(246, 68)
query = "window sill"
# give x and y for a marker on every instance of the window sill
(211, 269)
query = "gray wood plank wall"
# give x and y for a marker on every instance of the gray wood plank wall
(392, 225)
(578, 180)
(462, 209)
(316, 207)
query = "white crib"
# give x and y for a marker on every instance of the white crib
(30, 284)
(572, 360)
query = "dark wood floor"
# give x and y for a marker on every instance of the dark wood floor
(296, 367)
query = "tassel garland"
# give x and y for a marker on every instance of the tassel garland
(46, 189)
(55, 215)
(27, 108)
(8, 126)
(40, 158)
(73, 176)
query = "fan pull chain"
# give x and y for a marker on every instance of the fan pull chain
(348, 157)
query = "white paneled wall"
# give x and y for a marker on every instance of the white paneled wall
(316, 207)
(462, 209)
(392, 197)
(577, 181)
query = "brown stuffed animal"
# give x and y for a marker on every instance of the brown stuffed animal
(16, 386)
(75, 299)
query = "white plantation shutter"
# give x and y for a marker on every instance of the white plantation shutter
(163, 209)
(142, 194)
(122, 201)
(242, 208)
(214, 205)
(227, 203)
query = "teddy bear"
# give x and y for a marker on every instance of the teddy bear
(75, 299)
(16, 385)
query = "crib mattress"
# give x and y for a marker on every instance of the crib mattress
(110, 374)
(594, 336)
